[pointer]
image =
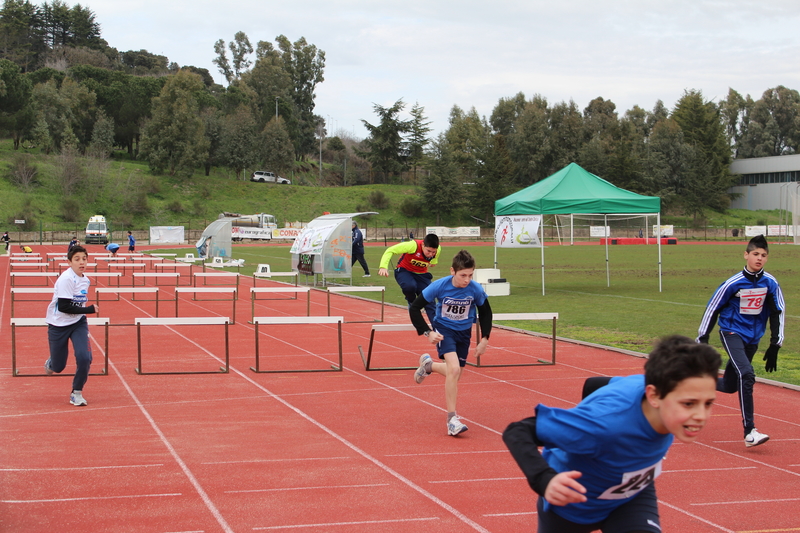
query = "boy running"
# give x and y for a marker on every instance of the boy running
(457, 298)
(66, 319)
(601, 457)
(743, 304)
(412, 268)
(131, 242)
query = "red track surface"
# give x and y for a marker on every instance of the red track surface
(337, 451)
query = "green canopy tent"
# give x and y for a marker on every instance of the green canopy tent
(573, 190)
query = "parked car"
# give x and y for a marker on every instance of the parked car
(264, 176)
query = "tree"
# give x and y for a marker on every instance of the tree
(418, 137)
(384, 145)
(277, 149)
(102, 136)
(495, 179)
(467, 142)
(442, 190)
(240, 48)
(239, 140)
(506, 112)
(21, 40)
(529, 142)
(773, 124)
(174, 137)
(703, 129)
(16, 112)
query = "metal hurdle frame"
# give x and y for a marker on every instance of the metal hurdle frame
(38, 265)
(384, 327)
(370, 288)
(176, 321)
(194, 290)
(38, 322)
(29, 290)
(109, 275)
(45, 275)
(275, 320)
(175, 266)
(269, 275)
(127, 290)
(519, 316)
(270, 290)
(155, 275)
(206, 275)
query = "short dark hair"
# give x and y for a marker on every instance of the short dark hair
(75, 249)
(677, 358)
(463, 260)
(431, 240)
(759, 241)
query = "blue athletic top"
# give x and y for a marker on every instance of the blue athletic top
(112, 247)
(455, 308)
(743, 304)
(607, 438)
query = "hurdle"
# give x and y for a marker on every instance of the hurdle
(46, 275)
(152, 261)
(65, 266)
(270, 275)
(278, 320)
(164, 255)
(155, 275)
(39, 266)
(520, 316)
(123, 266)
(133, 291)
(195, 290)
(273, 290)
(109, 275)
(186, 321)
(164, 267)
(39, 322)
(372, 288)
(38, 290)
(384, 327)
(206, 275)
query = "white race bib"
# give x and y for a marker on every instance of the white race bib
(751, 301)
(632, 483)
(456, 308)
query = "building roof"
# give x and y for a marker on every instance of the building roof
(762, 165)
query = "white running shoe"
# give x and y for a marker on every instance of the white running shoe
(455, 426)
(76, 398)
(424, 369)
(48, 369)
(754, 438)
(366, 276)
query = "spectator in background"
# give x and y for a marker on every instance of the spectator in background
(358, 249)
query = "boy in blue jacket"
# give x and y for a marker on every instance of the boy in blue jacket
(743, 304)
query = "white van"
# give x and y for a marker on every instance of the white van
(96, 230)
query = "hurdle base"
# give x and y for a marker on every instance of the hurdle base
(367, 367)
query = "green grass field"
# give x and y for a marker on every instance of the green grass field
(630, 313)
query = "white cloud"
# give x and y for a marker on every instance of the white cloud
(471, 53)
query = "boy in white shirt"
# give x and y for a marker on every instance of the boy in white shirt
(66, 319)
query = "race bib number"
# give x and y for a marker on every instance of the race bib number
(456, 308)
(632, 483)
(751, 301)
(80, 298)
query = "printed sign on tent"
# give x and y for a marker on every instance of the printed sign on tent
(517, 231)
(311, 240)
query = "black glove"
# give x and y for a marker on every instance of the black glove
(771, 357)
(703, 339)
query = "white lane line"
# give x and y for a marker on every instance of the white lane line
(523, 513)
(709, 469)
(687, 513)
(478, 480)
(129, 496)
(339, 524)
(444, 453)
(740, 502)
(54, 469)
(285, 460)
(308, 488)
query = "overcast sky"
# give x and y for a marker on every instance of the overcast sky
(471, 54)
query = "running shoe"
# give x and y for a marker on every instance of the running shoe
(455, 426)
(754, 438)
(48, 369)
(424, 369)
(76, 398)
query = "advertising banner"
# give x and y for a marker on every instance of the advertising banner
(517, 231)
(463, 231)
(286, 233)
(166, 235)
(312, 240)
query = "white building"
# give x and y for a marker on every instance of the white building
(766, 182)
